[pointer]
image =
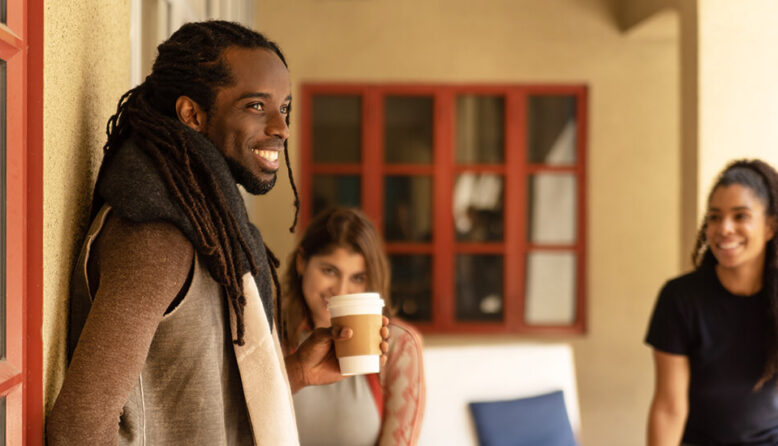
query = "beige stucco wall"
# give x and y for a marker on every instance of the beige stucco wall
(86, 69)
(738, 93)
(634, 135)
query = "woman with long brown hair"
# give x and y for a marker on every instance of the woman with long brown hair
(342, 253)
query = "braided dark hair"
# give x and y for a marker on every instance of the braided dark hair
(762, 180)
(191, 63)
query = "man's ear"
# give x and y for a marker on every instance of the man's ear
(190, 113)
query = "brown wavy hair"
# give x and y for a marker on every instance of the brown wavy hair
(333, 228)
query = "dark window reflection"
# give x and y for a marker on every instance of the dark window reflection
(479, 280)
(552, 130)
(336, 190)
(412, 286)
(408, 129)
(3, 12)
(480, 129)
(408, 208)
(478, 207)
(337, 129)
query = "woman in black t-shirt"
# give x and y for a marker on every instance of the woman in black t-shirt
(714, 330)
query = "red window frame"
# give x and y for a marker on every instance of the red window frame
(443, 170)
(21, 380)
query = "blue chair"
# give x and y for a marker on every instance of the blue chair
(534, 421)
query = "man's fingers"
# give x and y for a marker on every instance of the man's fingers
(385, 332)
(341, 333)
(384, 347)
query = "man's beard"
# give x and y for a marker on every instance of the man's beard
(248, 180)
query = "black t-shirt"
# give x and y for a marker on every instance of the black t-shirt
(724, 336)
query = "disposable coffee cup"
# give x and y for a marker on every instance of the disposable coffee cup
(361, 312)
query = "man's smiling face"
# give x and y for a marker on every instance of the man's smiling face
(248, 119)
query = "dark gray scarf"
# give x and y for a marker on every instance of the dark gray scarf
(132, 185)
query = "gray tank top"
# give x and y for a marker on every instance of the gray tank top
(189, 392)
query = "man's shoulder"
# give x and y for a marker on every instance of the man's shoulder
(154, 234)
(157, 244)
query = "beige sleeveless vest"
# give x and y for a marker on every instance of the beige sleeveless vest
(197, 387)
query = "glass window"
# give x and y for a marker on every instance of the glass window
(408, 129)
(478, 207)
(479, 280)
(552, 208)
(336, 190)
(337, 129)
(3, 12)
(480, 129)
(441, 182)
(552, 130)
(550, 288)
(412, 286)
(408, 208)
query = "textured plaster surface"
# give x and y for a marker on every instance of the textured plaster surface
(86, 69)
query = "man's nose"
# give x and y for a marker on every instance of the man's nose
(276, 126)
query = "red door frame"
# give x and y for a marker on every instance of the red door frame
(21, 373)
(443, 170)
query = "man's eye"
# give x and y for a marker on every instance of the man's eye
(285, 109)
(257, 106)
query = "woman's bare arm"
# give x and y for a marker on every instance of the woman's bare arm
(670, 406)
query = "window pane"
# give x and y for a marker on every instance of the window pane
(478, 207)
(412, 286)
(479, 282)
(335, 190)
(408, 208)
(3, 142)
(550, 288)
(3, 17)
(552, 130)
(552, 208)
(337, 129)
(480, 129)
(408, 129)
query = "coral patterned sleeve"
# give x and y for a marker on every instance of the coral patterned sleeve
(402, 379)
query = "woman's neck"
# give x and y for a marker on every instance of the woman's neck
(741, 281)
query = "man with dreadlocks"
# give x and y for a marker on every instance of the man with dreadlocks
(173, 338)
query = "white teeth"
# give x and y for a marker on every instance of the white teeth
(730, 245)
(270, 155)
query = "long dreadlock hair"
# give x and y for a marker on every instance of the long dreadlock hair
(191, 63)
(762, 180)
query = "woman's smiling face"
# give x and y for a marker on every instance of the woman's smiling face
(342, 271)
(737, 227)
